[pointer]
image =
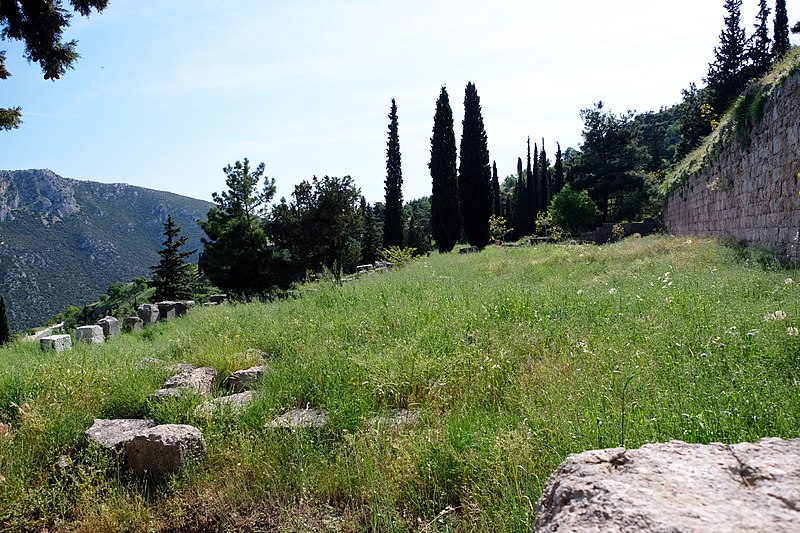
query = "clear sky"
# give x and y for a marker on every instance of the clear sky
(166, 93)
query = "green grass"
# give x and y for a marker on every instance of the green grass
(515, 357)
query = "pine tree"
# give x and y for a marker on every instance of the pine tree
(544, 186)
(727, 75)
(474, 174)
(760, 54)
(495, 190)
(172, 276)
(521, 210)
(445, 216)
(558, 168)
(781, 42)
(393, 222)
(5, 330)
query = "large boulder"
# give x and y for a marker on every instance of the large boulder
(90, 334)
(676, 487)
(110, 326)
(165, 449)
(59, 343)
(199, 380)
(225, 405)
(243, 380)
(148, 313)
(115, 434)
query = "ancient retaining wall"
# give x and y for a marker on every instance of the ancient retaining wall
(749, 191)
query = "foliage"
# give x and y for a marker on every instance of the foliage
(474, 174)
(558, 171)
(371, 233)
(727, 75)
(393, 219)
(573, 211)
(398, 256)
(496, 208)
(781, 43)
(697, 119)
(498, 228)
(40, 25)
(522, 210)
(759, 52)
(544, 179)
(172, 277)
(445, 215)
(418, 236)
(748, 111)
(5, 330)
(546, 227)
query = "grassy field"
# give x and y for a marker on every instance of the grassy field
(515, 357)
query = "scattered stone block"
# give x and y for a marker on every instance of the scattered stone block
(165, 449)
(115, 434)
(110, 326)
(132, 323)
(244, 380)
(394, 420)
(232, 405)
(676, 487)
(90, 334)
(59, 343)
(183, 306)
(166, 310)
(199, 380)
(148, 313)
(218, 299)
(301, 419)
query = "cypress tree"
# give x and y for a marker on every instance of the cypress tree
(544, 198)
(760, 53)
(495, 190)
(5, 330)
(172, 276)
(521, 210)
(370, 238)
(445, 216)
(558, 181)
(533, 190)
(393, 221)
(781, 30)
(727, 75)
(474, 174)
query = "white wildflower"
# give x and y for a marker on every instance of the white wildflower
(788, 281)
(612, 290)
(792, 331)
(779, 315)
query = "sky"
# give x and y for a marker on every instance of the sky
(166, 94)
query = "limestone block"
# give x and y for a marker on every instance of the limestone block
(59, 343)
(183, 306)
(132, 323)
(115, 434)
(148, 313)
(198, 380)
(677, 487)
(218, 298)
(243, 380)
(165, 449)
(90, 334)
(300, 419)
(166, 310)
(394, 420)
(110, 326)
(232, 404)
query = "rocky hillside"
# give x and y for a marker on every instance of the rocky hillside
(65, 241)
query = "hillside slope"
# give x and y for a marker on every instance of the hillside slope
(65, 241)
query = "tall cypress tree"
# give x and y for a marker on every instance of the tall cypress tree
(727, 75)
(781, 30)
(495, 190)
(533, 190)
(521, 209)
(445, 216)
(5, 330)
(172, 276)
(370, 237)
(760, 53)
(558, 168)
(544, 186)
(474, 175)
(393, 223)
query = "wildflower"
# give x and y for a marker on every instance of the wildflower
(788, 281)
(792, 331)
(612, 290)
(779, 315)
(580, 291)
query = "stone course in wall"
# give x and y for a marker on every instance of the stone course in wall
(748, 192)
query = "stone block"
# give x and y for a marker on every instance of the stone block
(300, 419)
(243, 380)
(148, 313)
(115, 434)
(132, 323)
(231, 405)
(166, 310)
(197, 380)
(110, 326)
(218, 299)
(165, 449)
(59, 343)
(90, 334)
(183, 306)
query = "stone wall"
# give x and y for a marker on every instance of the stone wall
(749, 191)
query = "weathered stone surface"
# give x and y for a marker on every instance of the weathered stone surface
(116, 433)
(301, 419)
(148, 313)
(217, 299)
(166, 310)
(199, 380)
(132, 323)
(58, 343)
(90, 334)
(183, 306)
(243, 380)
(110, 326)
(676, 487)
(394, 420)
(165, 449)
(233, 404)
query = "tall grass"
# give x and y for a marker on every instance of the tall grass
(515, 357)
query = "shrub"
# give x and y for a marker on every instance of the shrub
(573, 211)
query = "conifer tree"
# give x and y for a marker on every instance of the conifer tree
(727, 75)
(544, 186)
(5, 330)
(781, 42)
(533, 190)
(521, 210)
(474, 174)
(445, 215)
(495, 190)
(417, 237)
(393, 221)
(172, 275)
(558, 169)
(370, 236)
(760, 54)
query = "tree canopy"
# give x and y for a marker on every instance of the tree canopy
(445, 216)
(393, 221)
(474, 174)
(172, 276)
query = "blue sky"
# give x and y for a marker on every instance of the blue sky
(167, 93)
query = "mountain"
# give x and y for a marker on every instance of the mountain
(64, 241)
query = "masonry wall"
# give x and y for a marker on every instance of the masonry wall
(749, 193)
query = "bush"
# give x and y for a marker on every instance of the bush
(574, 211)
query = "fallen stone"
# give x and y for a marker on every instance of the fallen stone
(231, 405)
(90, 334)
(183, 306)
(676, 487)
(199, 380)
(132, 323)
(243, 380)
(148, 313)
(301, 419)
(394, 420)
(59, 343)
(115, 434)
(110, 326)
(166, 310)
(165, 449)
(218, 299)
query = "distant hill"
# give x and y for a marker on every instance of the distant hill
(64, 241)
